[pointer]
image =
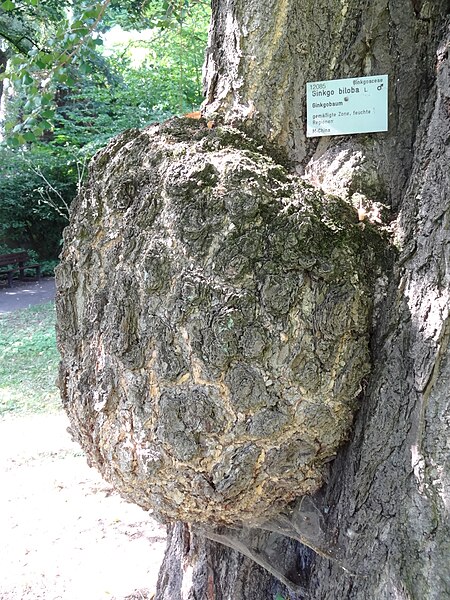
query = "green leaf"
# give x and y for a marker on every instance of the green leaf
(80, 31)
(85, 68)
(29, 136)
(48, 113)
(13, 142)
(45, 58)
(77, 25)
(46, 98)
(27, 79)
(38, 131)
(61, 76)
(30, 122)
(93, 13)
(8, 5)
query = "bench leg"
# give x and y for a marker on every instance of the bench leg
(37, 269)
(10, 278)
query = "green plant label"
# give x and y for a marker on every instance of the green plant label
(345, 106)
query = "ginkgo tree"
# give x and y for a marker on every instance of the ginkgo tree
(384, 510)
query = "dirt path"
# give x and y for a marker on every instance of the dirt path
(24, 294)
(64, 535)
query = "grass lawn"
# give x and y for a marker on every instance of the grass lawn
(28, 361)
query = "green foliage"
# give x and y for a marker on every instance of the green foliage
(61, 43)
(64, 52)
(157, 79)
(28, 361)
(70, 97)
(36, 187)
(47, 267)
(160, 14)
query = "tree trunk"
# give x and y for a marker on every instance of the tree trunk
(262, 53)
(213, 314)
(390, 489)
(3, 62)
(388, 496)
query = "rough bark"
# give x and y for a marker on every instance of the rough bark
(196, 567)
(388, 497)
(262, 52)
(390, 489)
(387, 500)
(219, 310)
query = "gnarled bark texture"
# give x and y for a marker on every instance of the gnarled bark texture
(391, 487)
(262, 53)
(388, 497)
(387, 500)
(213, 323)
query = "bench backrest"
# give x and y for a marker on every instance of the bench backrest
(13, 259)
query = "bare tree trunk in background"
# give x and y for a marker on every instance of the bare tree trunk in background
(389, 491)
(3, 63)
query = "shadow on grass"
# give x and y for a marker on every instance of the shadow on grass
(28, 361)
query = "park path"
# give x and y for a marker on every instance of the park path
(65, 534)
(24, 294)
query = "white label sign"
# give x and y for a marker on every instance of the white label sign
(344, 106)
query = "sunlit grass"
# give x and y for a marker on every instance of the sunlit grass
(28, 361)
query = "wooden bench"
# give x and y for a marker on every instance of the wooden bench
(17, 263)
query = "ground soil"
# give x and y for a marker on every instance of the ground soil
(65, 535)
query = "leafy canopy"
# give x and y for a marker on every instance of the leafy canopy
(73, 83)
(53, 43)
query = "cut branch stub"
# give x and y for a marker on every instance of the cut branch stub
(213, 317)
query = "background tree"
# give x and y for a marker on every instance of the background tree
(67, 96)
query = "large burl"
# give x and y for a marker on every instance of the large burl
(213, 318)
